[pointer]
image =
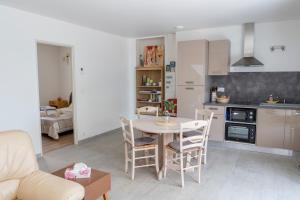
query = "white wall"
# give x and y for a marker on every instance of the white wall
(266, 34)
(65, 73)
(102, 56)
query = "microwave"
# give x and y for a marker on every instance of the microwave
(247, 115)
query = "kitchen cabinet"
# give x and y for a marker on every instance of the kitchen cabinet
(188, 99)
(278, 128)
(270, 128)
(192, 59)
(219, 57)
(217, 129)
(292, 130)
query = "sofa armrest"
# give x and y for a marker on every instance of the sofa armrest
(41, 185)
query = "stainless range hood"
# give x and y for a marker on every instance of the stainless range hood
(248, 60)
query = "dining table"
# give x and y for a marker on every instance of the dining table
(165, 131)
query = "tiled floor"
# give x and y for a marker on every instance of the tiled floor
(230, 174)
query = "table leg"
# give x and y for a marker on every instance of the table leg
(105, 196)
(164, 140)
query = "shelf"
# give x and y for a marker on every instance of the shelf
(148, 68)
(144, 86)
(149, 102)
(141, 92)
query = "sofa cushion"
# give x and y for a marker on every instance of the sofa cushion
(17, 157)
(43, 186)
(8, 189)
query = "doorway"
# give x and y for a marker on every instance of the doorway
(56, 96)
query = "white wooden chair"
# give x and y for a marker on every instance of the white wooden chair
(146, 112)
(201, 114)
(134, 145)
(186, 146)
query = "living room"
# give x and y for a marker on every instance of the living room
(107, 39)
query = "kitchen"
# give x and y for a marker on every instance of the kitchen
(263, 105)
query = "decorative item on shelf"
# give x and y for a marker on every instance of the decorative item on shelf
(153, 56)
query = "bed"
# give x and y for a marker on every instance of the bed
(56, 121)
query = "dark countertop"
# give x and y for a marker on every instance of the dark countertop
(262, 105)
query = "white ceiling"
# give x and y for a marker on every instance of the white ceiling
(137, 18)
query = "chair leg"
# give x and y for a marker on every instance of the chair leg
(199, 165)
(188, 159)
(126, 159)
(133, 164)
(156, 159)
(205, 153)
(181, 170)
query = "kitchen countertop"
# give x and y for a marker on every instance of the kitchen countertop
(262, 105)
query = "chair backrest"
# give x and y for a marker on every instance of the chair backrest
(127, 129)
(201, 114)
(193, 141)
(17, 157)
(147, 110)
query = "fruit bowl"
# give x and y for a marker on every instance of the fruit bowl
(223, 99)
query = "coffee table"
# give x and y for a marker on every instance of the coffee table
(96, 186)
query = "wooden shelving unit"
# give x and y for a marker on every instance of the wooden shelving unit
(150, 94)
(153, 93)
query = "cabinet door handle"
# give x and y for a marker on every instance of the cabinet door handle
(189, 88)
(215, 117)
(189, 82)
(213, 109)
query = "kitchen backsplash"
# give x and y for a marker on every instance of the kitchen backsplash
(255, 87)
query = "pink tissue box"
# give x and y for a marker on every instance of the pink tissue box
(83, 173)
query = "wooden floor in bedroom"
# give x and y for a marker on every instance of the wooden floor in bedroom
(50, 144)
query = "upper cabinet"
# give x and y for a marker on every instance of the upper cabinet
(219, 57)
(192, 58)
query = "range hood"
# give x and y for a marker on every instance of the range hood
(248, 60)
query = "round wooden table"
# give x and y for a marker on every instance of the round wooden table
(165, 131)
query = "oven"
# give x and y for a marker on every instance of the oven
(240, 132)
(240, 124)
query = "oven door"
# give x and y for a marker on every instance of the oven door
(240, 132)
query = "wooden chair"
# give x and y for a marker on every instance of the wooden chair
(147, 111)
(134, 145)
(186, 146)
(201, 114)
